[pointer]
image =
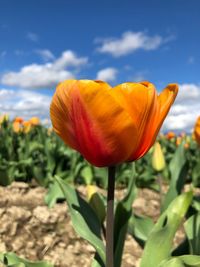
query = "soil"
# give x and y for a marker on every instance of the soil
(32, 230)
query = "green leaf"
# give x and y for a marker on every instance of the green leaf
(11, 259)
(98, 205)
(140, 228)
(192, 228)
(54, 193)
(159, 244)
(84, 220)
(97, 262)
(87, 174)
(178, 171)
(182, 261)
(122, 215)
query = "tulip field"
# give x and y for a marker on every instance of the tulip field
(34, 155)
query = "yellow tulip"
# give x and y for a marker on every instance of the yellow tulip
(34, 121)
(109, 125)
(158, 159)
(4, 118)
(16, 126)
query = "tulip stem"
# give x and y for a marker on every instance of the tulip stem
(160, 183)
(110, 218)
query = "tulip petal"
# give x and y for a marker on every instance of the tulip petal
(197, 130)
(156, 117)
(59, 113)
(138, 99)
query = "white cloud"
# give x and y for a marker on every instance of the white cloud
(44, 75)
(185, 110)
(107, 74)
(24, 103)
(32, 37)
(130, 42)
(45, 54)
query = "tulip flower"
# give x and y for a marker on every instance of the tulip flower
(170, 135)
(197, 130)
(18, 119)
(158, 159)
(16, 127)
(34, 121)
(27, 126)
(109, 125)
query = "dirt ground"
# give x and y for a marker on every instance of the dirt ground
(32, 230)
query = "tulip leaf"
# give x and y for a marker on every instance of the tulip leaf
(140, 228)
(11, 259)
(182, 261)
(87, 174)
(192, 228)
(178, 171)
(84, 219)
(122, 215)
(98, 205)
(54, 193)
(97, 262)
(159, 244)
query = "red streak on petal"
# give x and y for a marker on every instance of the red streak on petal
(90, 141)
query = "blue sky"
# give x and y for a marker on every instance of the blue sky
(44, 42)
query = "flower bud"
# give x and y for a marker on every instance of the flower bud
(158, 159)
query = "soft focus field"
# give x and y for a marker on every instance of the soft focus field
(35, 227)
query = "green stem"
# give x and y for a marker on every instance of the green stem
(160, 183)
(110, 218)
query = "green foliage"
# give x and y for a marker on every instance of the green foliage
(84, 219)
(159, 244)
(41, 155)
(12, 260)
(140, 228)
(178, 172)
(192, 228)
(182, 261)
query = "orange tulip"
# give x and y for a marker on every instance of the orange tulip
(18, 119)
(170, 135)
(109, 125)
(186, 145)
(197, 130)
(26, 126)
